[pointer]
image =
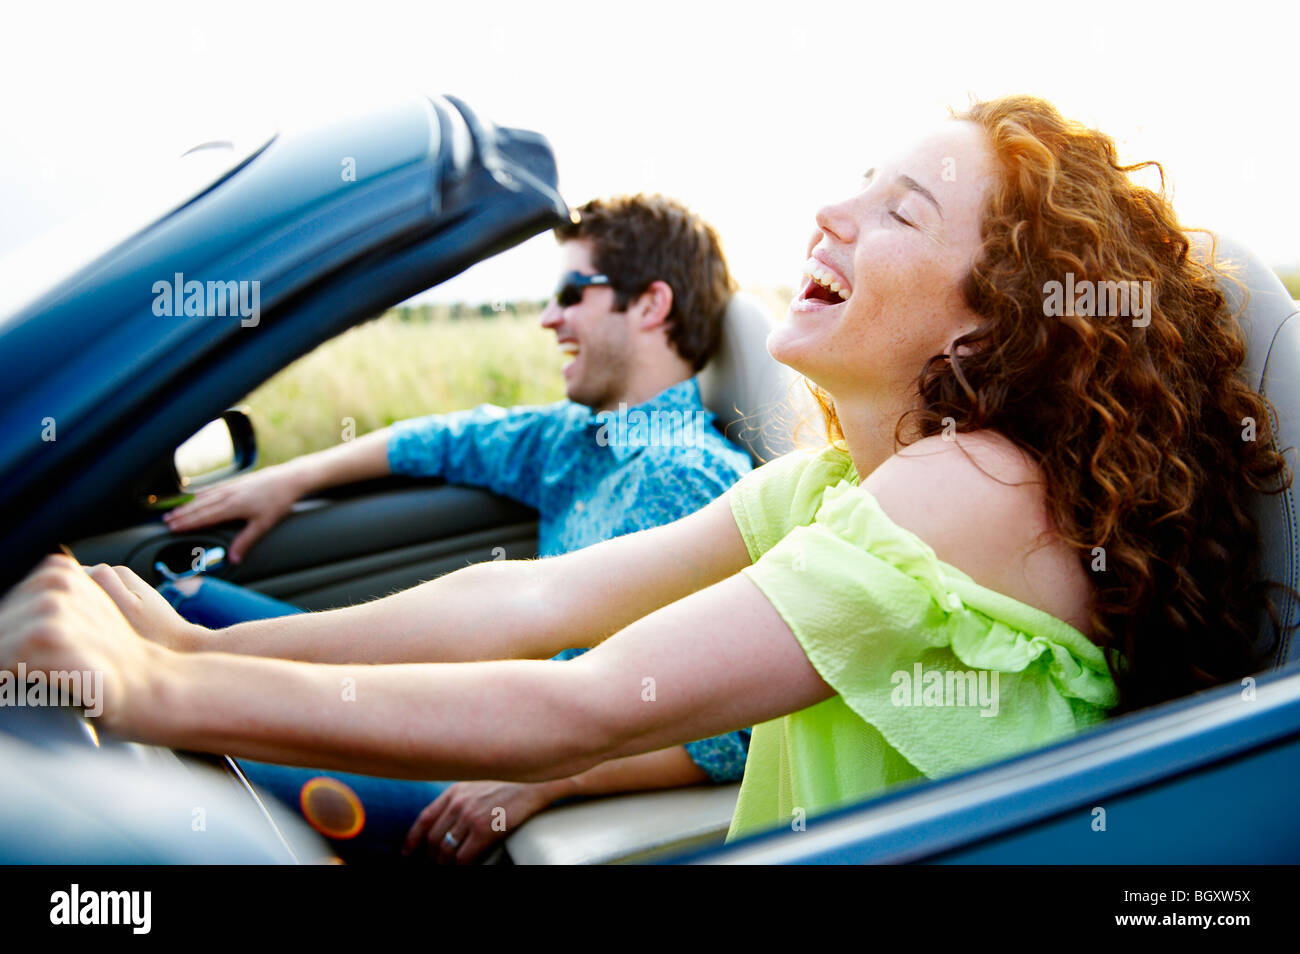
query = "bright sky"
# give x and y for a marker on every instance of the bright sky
(754, 113)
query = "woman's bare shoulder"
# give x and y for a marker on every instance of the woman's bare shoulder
(975, 454)
(981, 503)
(978, 474)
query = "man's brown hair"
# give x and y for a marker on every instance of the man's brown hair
(640, 239)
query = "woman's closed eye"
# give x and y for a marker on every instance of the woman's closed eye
(925, 229)
(896, 213)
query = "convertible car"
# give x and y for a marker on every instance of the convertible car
(103, 378)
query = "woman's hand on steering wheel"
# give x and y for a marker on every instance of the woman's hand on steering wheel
(58, 620)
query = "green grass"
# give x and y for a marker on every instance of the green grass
(399, 366)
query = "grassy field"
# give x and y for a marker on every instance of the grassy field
(394, 368)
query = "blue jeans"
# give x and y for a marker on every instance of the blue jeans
(390, 806)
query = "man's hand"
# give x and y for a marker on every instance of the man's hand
(263, 498)
(57, 619)
(146, 610)
(476, 815)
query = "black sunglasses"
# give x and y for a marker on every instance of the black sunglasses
(572, 285)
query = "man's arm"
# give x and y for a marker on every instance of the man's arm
(501, 449)
(365, 458)
(487, 446)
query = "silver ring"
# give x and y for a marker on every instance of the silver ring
(447, 839)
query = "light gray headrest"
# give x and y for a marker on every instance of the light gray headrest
(757, 400)
(1272, 368)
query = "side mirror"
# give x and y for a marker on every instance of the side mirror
(220, 449)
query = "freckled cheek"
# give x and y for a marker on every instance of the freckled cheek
(935, 287)
(899, 325)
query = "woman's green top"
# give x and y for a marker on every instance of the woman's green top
(933, 673)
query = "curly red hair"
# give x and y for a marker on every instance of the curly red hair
(1142, 433)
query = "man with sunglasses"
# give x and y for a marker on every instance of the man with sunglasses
(639, 311)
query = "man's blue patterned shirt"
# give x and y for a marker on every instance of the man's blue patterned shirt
(591, 476)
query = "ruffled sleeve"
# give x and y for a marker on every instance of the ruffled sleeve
(784, 493)
(950, 673)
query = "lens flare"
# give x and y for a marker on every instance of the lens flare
(332, 808)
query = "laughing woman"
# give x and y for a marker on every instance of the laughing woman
(1048, 507)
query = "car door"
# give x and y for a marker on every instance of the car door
(349, 545)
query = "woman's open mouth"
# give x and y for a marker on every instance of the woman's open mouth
(822, 288)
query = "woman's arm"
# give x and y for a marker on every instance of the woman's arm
(716, 660)
(504, 609)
